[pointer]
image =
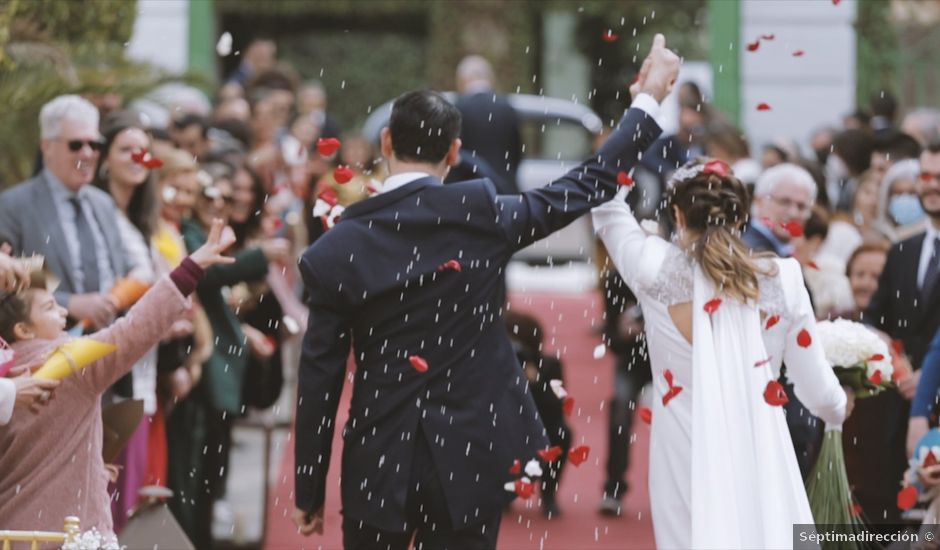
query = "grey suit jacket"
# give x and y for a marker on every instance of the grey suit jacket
(29, 222)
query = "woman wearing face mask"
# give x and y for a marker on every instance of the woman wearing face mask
(900, 214)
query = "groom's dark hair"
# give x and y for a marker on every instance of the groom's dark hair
(423, 125)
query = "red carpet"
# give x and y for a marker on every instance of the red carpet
(567, 320)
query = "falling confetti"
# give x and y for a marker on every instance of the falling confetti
(646, 414)
(673, 390)
(224, 46)
(600, 350)
(762, 362)
(533, 469)
(342, 174)
(763, 107)
(767, 37)
(327, 146)
(450, 265)
(712, 305)
(774, 394)
(578, 455)
(877, 357)
(609, 36)
(145, 159)
(715, 167)
(567, 406)
(907, 497)
(418, 363)
(516, 467)
(524, 488)
(812, 265)
(558, 388)
(804, 339)
(752, 46)
(624, 179)
(799, 53)
(771, 321)
(875, 378)
(794, 228)
(550, 454)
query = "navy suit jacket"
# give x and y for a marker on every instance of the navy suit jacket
(373, 283)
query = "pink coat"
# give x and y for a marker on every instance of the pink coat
(50, 463)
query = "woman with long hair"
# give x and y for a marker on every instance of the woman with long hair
(123, 174)
(723, 473)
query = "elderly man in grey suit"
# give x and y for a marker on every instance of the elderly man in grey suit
(57, 214)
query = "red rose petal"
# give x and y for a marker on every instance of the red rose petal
(762, 362)
(877, 357)
(550, 454)
(907, 497)
(767, 37)
(763, 107)
(342, 174)
(752, 47)
(715, 167)
(712, 305)
(804, 339)
(875, 378)
(609, 36)
(327, 146)
(329, 196)
(794, 228)
(418, 363)
(771, 321)
(774, 394)
(567, 405)
(578, 455)
(812, 265)
(452, 265)
(516, 468)
(798, 53)
(646, 415)
(152, 163)
(673, 390)
(624, 179)
(524, 489)
(138, 157)
(667, 374)
(836, 2)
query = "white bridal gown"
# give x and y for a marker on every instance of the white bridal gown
(723, 472)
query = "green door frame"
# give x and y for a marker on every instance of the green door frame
(724, 39)
(201, 54)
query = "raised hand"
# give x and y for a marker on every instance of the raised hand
(662, 72)
(210, 254)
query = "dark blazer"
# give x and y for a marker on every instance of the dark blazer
(28, 221)
(757, 241)
(223, 374)
(490, 127)
(897, 307)
(374, 283)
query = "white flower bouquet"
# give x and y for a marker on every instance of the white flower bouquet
(862, 362)
(859, 357)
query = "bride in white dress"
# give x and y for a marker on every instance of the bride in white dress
(723, 472)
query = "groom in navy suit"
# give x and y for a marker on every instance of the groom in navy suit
(412, 279)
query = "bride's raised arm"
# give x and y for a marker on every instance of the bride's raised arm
(636, 255)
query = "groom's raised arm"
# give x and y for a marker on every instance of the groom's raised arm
(533, 215)
(530, 216)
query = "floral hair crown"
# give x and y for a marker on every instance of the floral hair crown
(716, 167)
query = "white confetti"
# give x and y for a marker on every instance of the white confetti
(533, 469)
(600, 351)
(224, 46)
(560, 391)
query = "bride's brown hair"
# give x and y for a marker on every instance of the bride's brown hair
(715, 205)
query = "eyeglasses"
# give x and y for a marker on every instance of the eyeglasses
(787, 203)
(75, 145)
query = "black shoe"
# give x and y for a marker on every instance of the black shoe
(610, 506)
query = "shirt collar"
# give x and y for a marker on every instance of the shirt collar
(932, 232)
(396, 181)
(58, 189)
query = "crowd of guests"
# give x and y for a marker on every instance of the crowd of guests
(117, 197)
